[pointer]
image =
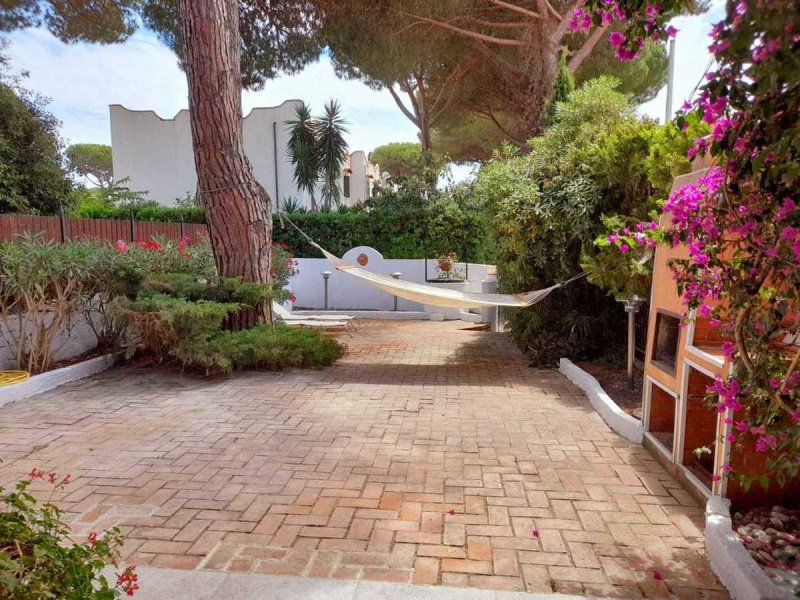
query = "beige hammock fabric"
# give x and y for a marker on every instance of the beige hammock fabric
(429, 294)
(434, 295)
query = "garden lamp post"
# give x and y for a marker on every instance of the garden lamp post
(632, 306)
(396, 275)
(326, 275)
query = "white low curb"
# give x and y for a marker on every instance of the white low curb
(738, 572)
(616, 418)
(52, 379)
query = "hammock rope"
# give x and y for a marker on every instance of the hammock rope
(429, 294)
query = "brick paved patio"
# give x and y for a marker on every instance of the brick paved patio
(428, 454)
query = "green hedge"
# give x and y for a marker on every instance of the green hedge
(143, 212)
(442, 225)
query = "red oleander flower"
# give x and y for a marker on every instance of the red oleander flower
(36, 474)
(127, 581)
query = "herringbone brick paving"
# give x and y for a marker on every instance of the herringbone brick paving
(428, 454)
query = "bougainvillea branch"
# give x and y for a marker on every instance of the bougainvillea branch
(740, 222)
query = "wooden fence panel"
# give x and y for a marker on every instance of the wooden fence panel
(109, 230)
(13, 225)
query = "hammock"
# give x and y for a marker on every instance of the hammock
(431, 294)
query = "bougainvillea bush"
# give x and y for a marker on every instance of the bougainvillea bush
(38, 559)
(741, 222)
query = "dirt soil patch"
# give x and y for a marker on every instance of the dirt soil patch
(614, 381)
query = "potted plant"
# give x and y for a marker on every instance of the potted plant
(446, 262)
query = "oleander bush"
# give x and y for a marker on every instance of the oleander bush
(45, 287)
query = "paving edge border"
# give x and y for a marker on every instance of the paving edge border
(616, 418)
(43, 382)
(729, 560)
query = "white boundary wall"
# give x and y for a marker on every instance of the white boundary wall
(348, 292)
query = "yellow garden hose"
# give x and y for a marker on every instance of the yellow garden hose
(12, 377)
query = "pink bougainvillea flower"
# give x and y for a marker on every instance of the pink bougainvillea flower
(616, 38)
(672, 31)
(93, 539)
(624, 248)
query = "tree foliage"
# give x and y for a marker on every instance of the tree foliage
(92, 161)
(597, 158)
(32, 177)
(303, 151)
(330, 130)
(408, 164)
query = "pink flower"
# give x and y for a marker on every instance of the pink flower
(672, 31)
(616, 38)
(766, 443)
(121, 246)
(624, 248)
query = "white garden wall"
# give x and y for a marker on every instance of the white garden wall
(348, 292)
(79, 338)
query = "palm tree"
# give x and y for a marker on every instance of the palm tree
(332, 147)
(303, 151)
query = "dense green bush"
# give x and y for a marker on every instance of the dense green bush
(262, 347)
(147, 211)
(597, 158)
(398, 224)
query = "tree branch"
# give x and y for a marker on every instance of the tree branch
(402, 106)
(581, 55)
(558, 34)
(518, 9)
(473, 34)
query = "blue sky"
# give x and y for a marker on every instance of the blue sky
(83, 79)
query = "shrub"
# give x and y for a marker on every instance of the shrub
(400, 224)
(547, 207)
(166, 325)
(157, 256)
(262, 347)
(39, 560)
(44, 285)
(92, 207)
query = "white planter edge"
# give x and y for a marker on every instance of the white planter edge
(738, 572)
(43, 382)
(616, 418)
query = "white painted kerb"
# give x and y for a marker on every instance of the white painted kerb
(52, 379)
(737, 571)
(616, 418)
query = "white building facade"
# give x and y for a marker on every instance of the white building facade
(155, 155)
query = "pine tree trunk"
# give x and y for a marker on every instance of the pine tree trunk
(238, 209)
